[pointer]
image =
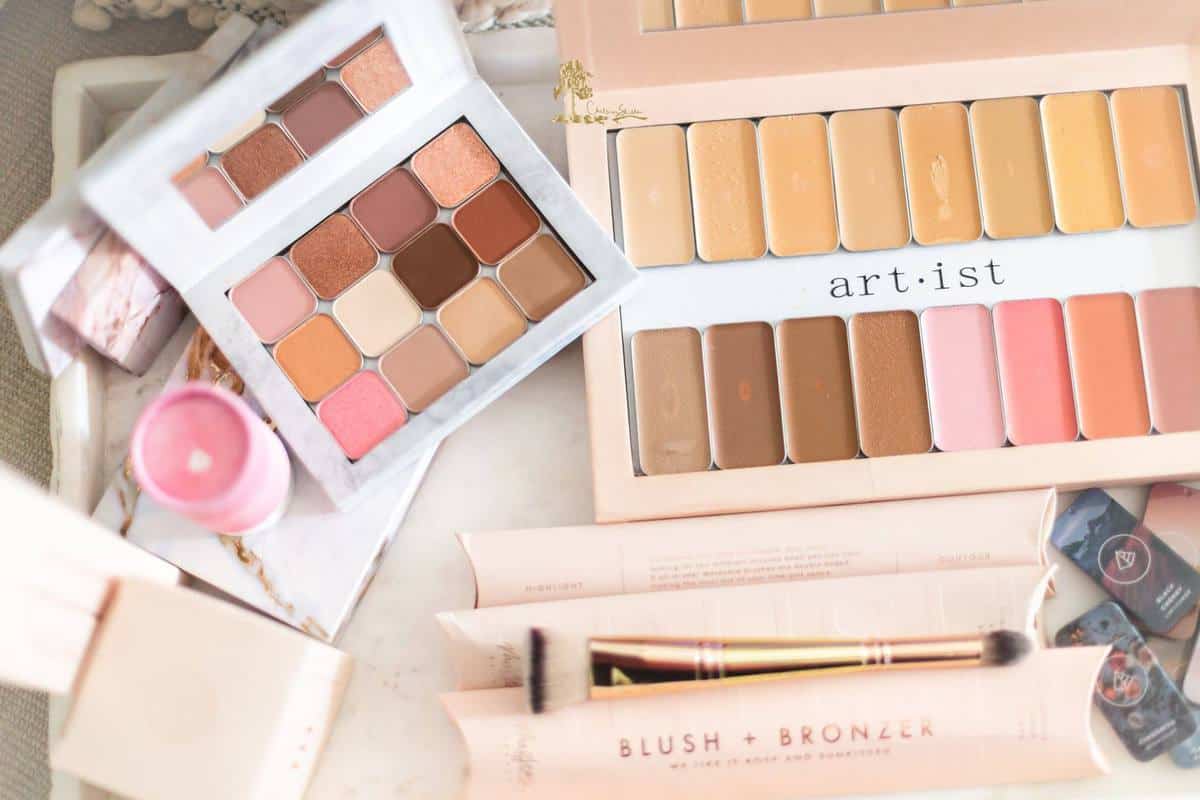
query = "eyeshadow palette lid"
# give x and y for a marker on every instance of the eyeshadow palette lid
(186, 230)
(204, 245)
(621, 52)
(40, 258)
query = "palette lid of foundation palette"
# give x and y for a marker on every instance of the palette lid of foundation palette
(42, 256)
(633, 44)
(292, 127)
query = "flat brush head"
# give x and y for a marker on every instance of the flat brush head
(1002, 648)
(557, 671)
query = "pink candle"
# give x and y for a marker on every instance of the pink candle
(200, 452)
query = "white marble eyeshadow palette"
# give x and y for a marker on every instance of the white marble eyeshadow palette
(671, 14)
(424, 276)
(274, 141)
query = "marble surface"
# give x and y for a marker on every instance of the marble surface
(522, 463)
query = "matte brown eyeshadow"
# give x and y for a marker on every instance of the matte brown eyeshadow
(436, 265)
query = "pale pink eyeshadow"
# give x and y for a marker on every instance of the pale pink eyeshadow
(274, 300)
(211, 195)
(1035, 374)
(964, 392)
(362, 413)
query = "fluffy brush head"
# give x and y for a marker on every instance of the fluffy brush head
(1002, 648)
(557, 670)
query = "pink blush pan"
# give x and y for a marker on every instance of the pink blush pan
(964, 391)
(362, 413)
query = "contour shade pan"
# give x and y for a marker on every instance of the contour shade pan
(381, 309)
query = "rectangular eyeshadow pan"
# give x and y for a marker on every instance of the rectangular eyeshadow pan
(726, 190)
(816, 389)
(1169, 321)
(1106, 364)
(297, 126)
(1153, 151)
(798, 185)
(889, 384)
(964, 389)
(940, 173)
(743, 395)
(869, 176)
(1035, 374)
(656, 198)
(672, 416)
(385, 295)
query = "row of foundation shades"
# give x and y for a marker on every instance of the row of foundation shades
(876, 180)
(891, 383)
(258, 153)
(667, 14)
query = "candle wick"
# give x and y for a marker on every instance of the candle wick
(199, 461)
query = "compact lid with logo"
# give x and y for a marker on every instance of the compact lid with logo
(366, 232)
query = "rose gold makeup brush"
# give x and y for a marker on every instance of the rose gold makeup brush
(564, 670)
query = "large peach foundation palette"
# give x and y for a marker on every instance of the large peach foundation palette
(370, 238)
(964, 259)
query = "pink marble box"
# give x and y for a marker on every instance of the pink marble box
(119, 305)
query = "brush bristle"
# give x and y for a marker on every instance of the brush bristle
(1002, 648)
(558, 670)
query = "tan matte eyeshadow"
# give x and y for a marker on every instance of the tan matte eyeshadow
(1083, 162)
(743, 392)
(656, 196)
(423, 367)
(889, 384)
(818, 397)
(872, 206)
(1011, 159)
(482, 320)
(939, 169)
(727, 191)
(541, 276)
(1153, 150)
(672, 416)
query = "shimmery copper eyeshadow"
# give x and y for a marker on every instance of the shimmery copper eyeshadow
(333, 255)
(262, 158)
(455, 165)
(496, 221)
(301, 89)
(376, 76)
(435, 265)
